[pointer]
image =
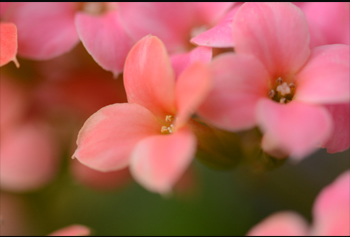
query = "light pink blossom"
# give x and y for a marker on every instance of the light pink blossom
(150, 133)
(107, 30)
(331, 215)
(28, 154)
(276, 82)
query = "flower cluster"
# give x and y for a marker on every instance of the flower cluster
(223, 82)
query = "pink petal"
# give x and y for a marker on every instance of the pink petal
(73, 230)
(170, 21)
(281, 224)
(295, 128)
(148, 77)
(105, 39)
(192, 87)
(28, 158)
(3, 8)
(108, 137)
(210, 12)
(325, 76)
(276, 33)
(220, 35)
(181, 61)
(100, 180)
(331, 210)
(328, 21)
(158, 161)
(340, 137)
(8, 43)
(45, 30)
(239, 81)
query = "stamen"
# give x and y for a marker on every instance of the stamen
(291, 85)
(164, 129)
(168, 118)
(271, 94)
(283, 89)
(282, 100)
(279, 81)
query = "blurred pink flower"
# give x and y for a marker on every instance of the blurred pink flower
(73, 230)
(8, 43)
(107, 30)
(274, 81)
(150, 133)
(331, 215)
(28, 154)
(328, 22)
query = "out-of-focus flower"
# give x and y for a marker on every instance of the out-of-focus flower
(331, 215)
(328, 22)
(274, 81)
(107, 30)
(28, 153)
(150, 133)
(8, 43)
(73, 230)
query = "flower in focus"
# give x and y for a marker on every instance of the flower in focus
(150, 133)
(275, 81)
(331, 215)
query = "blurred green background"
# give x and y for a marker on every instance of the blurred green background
(222, 202)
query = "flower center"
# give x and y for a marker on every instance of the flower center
(169, 127)
(282, 92)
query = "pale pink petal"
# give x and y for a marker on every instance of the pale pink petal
(340, 138)
(239, 81)
(210, 12)
(28, 158)
(105, 39)
(331, 210)
(73, 230)
(158, 161)
(45, 30)
(276, 33)
(170, 21)
(281, 224)
(192, 87)
(325, 78)
(106, 140)
(149, 78)
(8, 43)
(295, 128)
(220, 35)
(100, 180)
(181, 61)
(328, 22)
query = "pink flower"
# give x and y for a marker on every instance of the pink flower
(331, 215)
(28, 154)
(107, 30)
(150, 133)
(8, 43)
(328, 22)
(276, 82)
